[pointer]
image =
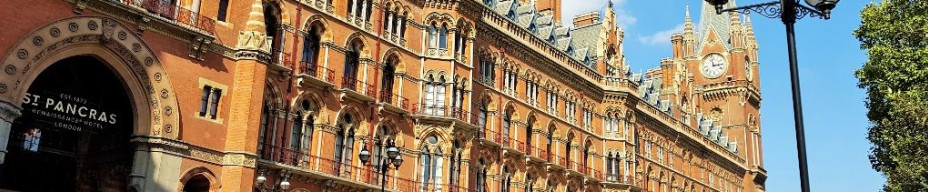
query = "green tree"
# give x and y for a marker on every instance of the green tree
(895, 35)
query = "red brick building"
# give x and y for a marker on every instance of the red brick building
(284, 95)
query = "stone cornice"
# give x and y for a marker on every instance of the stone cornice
(183, 149)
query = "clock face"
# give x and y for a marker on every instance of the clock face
(714, 66)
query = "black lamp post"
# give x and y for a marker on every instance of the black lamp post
(393, 157)
(789, 11)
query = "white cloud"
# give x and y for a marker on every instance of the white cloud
(571, 8)
(661, 37)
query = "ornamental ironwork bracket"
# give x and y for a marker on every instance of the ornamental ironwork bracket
(774, 9)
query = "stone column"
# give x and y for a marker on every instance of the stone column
(8, 113)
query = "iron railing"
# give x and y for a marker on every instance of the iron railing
(171, 12)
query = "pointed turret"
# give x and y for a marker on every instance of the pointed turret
(256, 17)
(737, 31)
(689, 36)
(254, 36)
(688, 23)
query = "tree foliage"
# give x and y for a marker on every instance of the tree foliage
(895, 35)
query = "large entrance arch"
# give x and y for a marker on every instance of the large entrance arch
(144, 82)
(74, 131)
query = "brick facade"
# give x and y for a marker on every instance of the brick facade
(490, 95)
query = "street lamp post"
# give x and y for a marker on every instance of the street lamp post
(393, 157)
(282, 185)
(789, 11)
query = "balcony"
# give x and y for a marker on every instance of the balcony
(461, 114)
(318, 73)
(359, 87)
(396, 101)
(361, 176)
(172, 14)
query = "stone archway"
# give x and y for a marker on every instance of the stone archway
(43, 46)
(153, 101)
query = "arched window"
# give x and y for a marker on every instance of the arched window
(344, 142)
(486, 70)
(388, 18)
(402, 25)
(529, 182)
(435, 95)
(529, 126)
(443, 37)
(296, 131)
(383, 139)
(482, 118)
(431, 163)
(586, 155)
(455, 170)
(440, 95)
(433, 35)
(352, 59)
(482, 177)
(567, 147)
(272, 28)
(507, 123)
(266, 126)
(311, 50)
(550, 140)
(386, 81)
(507, 178)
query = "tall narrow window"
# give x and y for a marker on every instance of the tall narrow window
(455, 170)
(214, 103)
(610, 169)
(433, 36)
(507, 177)
(344, 142)
(296, 131)
(204, 101)
(440, 96)
(507, 122)
(274, 34)
(379, 143)
(529, 182)
(443, 37)
(402, 28)
(264, 127)
(387, 79)
(352, 58)
(223, 7)
(351, 7)
(482, 177)
(528, 132)
(429, 95)
(550, 141)
(586, 156)
(482, 117)
(310, 51)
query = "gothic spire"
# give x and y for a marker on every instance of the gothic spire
(256, 17)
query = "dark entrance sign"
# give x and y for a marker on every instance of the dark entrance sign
(74, 131)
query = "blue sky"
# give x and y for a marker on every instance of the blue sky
(835, 115)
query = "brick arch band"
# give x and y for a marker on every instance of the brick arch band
(111, 42)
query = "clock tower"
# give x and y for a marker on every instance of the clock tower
(717, 86)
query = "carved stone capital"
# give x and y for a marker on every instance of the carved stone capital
(9, 112)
